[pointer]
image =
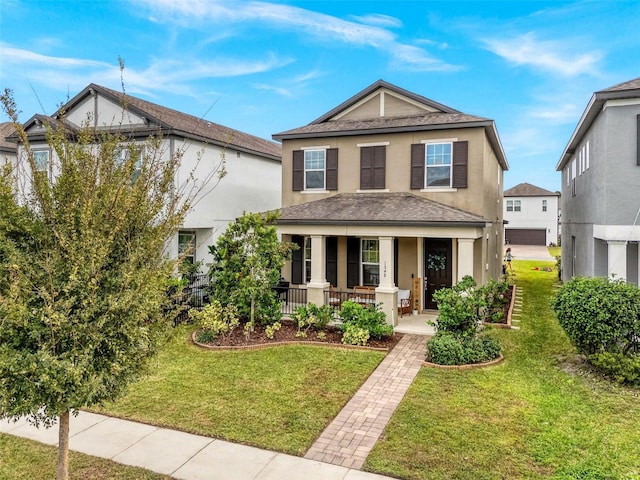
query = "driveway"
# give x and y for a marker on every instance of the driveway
(530, 252)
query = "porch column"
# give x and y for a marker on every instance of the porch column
(465, 257)
(386, 291)
(318, 282)
(617, 259)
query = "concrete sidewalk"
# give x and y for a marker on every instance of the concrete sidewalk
(181, 455)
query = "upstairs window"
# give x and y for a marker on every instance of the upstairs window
(122, 156)
(544, 205)
(41, 159)
(438, 165)
(516, 205)
(509, 205)
(314, 169)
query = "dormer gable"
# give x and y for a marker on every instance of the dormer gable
(383, 100)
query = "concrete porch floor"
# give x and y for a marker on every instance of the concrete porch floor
(417, 324)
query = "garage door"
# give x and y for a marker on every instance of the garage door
(526, 236)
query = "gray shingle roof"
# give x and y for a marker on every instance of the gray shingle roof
(377, 209)
(628, 85)
(6, 129)
(358, 127)
(185, 124)
(528, 190)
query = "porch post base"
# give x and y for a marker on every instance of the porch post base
(315, 292)
(387, 298)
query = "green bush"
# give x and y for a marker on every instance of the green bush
(492, 299)
(459, 308)
(215, 320)
(599, 315)
(354, 335)
(447, 349)
(311, 316)
(370, 318)
(623, 369)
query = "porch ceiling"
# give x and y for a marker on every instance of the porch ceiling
(381, 209)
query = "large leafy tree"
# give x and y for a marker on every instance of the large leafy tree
(83, 270)
(248, 258)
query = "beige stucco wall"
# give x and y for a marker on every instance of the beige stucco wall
(481, 197)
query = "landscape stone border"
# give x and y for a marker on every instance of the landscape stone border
(466, 366)
(261, 346)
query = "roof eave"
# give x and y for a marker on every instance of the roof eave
(382, 223)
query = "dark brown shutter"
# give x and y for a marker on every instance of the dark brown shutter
(372, 167)
(332, 169)
(332, 260)
(460, 160)
(353, 262)
(296, 260)
(638, 141)
(298, 170)
(379, 160)
(417, 165)
(366, 168)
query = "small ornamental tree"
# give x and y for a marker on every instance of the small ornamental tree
(83, 271)
(247, 261)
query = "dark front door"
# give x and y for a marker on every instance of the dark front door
(437, 267)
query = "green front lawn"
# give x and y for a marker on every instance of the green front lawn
(536, 415)
(279, 398)
(22, 459)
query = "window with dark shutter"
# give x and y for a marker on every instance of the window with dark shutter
(417, 165)
(372, 167)
(297, 258)
(353, 262)
(332, 169)
(460, 161)
(298, 170)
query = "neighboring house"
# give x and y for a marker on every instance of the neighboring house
(8, 150)
(253, 164)
(531, 214)
(601, 187)
(389, 187)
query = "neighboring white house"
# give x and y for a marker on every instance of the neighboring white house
(532, 215)
(7, 149)
(253, 164)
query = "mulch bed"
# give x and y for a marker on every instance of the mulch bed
(287, 333)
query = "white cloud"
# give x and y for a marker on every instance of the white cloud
(9, 54)
(567, 112)
(549, 56)
(367, 31)
(379, 19)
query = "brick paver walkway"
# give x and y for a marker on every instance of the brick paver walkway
(350, 437)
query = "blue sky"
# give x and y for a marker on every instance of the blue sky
(264, 67)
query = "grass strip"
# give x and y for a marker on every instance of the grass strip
(23, 459)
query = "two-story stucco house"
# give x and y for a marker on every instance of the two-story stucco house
(531, 215)
(600, 187)
(389, 187)
(253, 164)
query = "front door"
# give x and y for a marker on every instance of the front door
(437, 267)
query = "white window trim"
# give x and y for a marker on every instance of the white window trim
(373, 144)
(48, 162)
(324, 170)
(306, 242)
(438, 188)
(374, 190)
(363, 263)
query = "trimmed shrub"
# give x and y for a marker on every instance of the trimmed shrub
(313, 317)
(447, 349)
(371, 319)
(214, 320)
(622, 368)
(599, 315)
(354, 335)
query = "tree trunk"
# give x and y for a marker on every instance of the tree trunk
(63, 447)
